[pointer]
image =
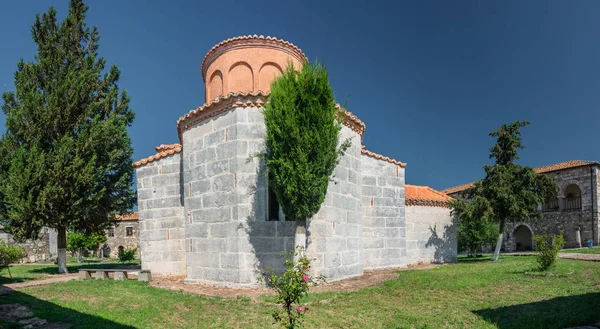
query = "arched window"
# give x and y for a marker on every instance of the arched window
(572, 197)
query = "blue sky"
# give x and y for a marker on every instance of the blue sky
(430, 79)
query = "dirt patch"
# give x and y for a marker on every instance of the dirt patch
(368, 279)
(588, 257)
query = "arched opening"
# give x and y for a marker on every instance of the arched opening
(240, 78)
(572, 197)
(268, 73)
(121, 250)
(523, 238)
(215, 87)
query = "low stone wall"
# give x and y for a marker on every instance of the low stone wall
(41, 249)
(430, 235)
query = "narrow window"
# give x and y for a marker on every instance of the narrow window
(111, 232)
(129, 231)
(273, 206)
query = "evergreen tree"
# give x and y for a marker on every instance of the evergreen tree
(66, 160)
(509, 191)
(302, 139)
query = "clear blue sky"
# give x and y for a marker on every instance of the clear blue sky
(430, 79)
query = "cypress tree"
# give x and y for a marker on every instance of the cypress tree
(66, 153)
(302, 139)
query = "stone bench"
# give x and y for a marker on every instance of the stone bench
(119, 274)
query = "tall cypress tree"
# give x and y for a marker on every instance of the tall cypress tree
(66, 154)
(303, 130)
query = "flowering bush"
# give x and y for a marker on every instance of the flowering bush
(291, 286)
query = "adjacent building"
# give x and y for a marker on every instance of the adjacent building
(574, 210)
(206, 210)
(124, 233)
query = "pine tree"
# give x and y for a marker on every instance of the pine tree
(509, 191)
(66, 160)
(302, 140)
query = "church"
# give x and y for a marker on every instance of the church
(206, 210)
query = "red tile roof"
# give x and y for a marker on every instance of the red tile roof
(425, 196)
(163, 151)
(366, 152)
(540, 170)
(128, 216)
(254, 38)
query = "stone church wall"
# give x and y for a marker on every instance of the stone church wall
(430, 235)
(161, 217)
(335, 231)
(383, 202)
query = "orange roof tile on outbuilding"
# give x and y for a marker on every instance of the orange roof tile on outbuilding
(425, 196)
(540, 170)
(128, 216)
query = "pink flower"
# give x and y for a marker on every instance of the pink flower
(299, 308)
(304, 278)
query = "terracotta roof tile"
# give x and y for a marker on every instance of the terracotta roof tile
(539, 170)
(163, 151)
(243, 38)
(128, 216)
(425, 196)
(258, 98)
(563, 165)
(381, 157)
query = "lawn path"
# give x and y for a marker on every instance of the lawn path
(590, 257)
(51, 280)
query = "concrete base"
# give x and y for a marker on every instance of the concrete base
(121, 276)
(84, 275)
(145, 276)
(101, 275)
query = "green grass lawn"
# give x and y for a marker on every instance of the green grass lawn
(38, 271)
(475, 293)
(594, 250)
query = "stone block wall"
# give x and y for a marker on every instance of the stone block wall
(384, 227)
(335, 232)
(36, 250)
(430, 235)
(228, 237)
(161, 218)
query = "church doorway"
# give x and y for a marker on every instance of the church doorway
(523, 238)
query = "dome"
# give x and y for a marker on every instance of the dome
(246, 64)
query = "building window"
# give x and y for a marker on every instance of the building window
(273, 206)
(572, 198)
(129, 231)
(111, 232)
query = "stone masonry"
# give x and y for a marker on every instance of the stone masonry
(574, 211)
(204, 203)
(41, 249)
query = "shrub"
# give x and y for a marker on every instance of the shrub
(291, 286)
(128, 255)
(9, 254)
(547, 253)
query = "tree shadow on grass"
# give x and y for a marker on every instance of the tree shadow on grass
(50, 269)
(559, 312)
(54, 313)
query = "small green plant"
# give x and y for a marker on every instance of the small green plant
(9, 254)
(547, 254)
(291, 286)
(128, 255)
